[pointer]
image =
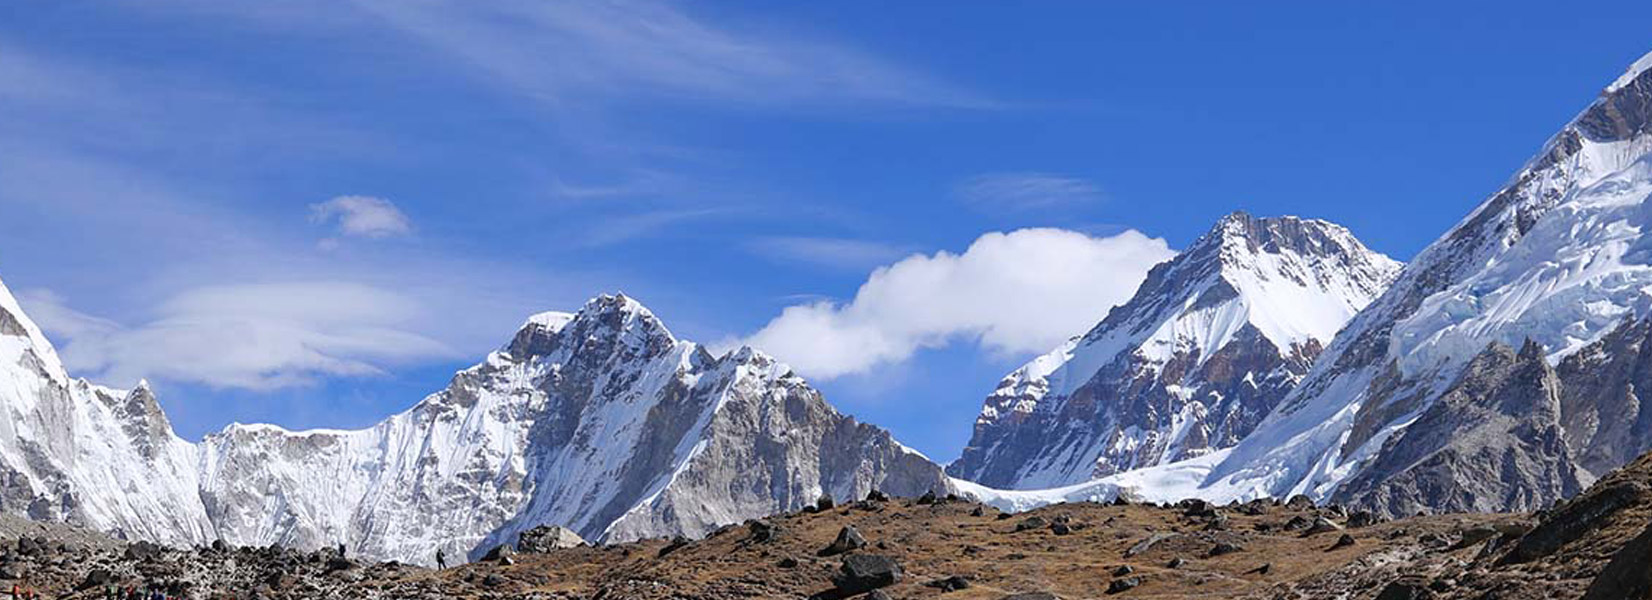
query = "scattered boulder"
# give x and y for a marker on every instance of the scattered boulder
(863, 573)
(1322, 525)
(1123, 570)
(96, 578)
(1343, 542)
(787, 563)
(545, 538)
(1195, 507)
(928, 498)
(499, 554)
(1406, 588)
(1031, 596)
(825, 503)
(1031, 523)
(763, 532)
(1149, 543)
(1362, 518)
(1300, 502)
(949, 584)
(676, 543)
(1119, 586)
(1475, 535)
(1060, 528)
(848, 539)
(1222, 548)
(877, 496)
(1176, 563)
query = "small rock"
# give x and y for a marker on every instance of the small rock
(787, 563)
(1299, 502)
(677, 543)
(1031, 523)
(1060, 528)
(1475, 535)
(877, 595)
(862, 573)
(1343, 542)
(848, 539)
(1322, 525)
(493, 580)
(1147, 544)
(1123, 570)
(979, 511)
(763, 531)
(1119, 586)
(499, 553)
(1031, 596)
(1262, 570)
(1362, 518)
(825, 502)
(1222, 548)
(949, 584)
(877, 496)
(1406, 588)
(1176, 563)
(927, 498)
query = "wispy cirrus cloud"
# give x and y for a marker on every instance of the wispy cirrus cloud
(260, 336)
(831, 252)
(1026, 191)
(556, 51)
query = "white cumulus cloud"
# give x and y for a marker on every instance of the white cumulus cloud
(362, 216)
(1018, 292)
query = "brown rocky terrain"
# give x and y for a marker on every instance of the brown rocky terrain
(1597, 546)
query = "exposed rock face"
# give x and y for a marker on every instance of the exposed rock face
(601, 421)
(1208, 345)
(1607, 423)
(1492, 442)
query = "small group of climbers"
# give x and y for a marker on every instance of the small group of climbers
(22, 593)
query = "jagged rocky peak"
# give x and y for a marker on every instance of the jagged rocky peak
(616, 318)
(1208, 344)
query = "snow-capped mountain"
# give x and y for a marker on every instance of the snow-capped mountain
(73, 451)
(600, 421)
(1422, 403)
(1210, 342)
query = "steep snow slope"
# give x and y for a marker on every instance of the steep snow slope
(600, 421)
(1559, 257)
(1206, 347)
(72, 451)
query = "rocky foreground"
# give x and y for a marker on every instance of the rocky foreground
(1596, 546)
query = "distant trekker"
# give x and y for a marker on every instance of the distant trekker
(441, 559)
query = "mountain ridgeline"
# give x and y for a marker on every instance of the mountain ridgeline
(600, 421)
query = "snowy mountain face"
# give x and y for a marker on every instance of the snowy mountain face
(601, 422)
(1210, 342)
(1554, 263)
(72, 451)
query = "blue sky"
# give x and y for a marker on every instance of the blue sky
(312, 213)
